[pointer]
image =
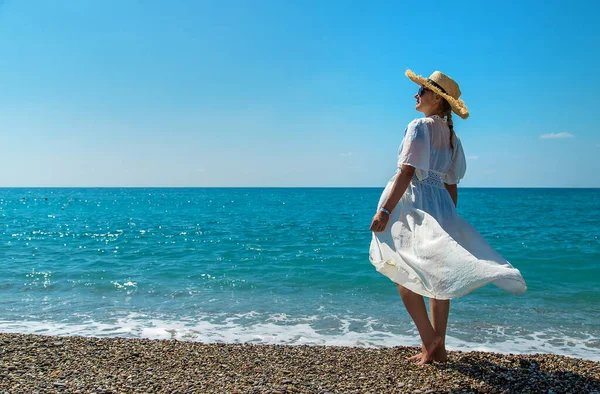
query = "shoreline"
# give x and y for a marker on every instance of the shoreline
(35, 363)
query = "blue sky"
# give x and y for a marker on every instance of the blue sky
(291, 93)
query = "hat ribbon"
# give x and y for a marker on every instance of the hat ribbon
(437, 86)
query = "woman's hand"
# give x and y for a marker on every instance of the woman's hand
(379, 222)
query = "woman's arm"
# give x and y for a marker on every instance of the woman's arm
(453, 190)
(400, 185)
(398, 188)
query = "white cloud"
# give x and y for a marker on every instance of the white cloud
(556, 135)
(346, 154)
(473, 157)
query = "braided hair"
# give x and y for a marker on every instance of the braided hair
(446, 113)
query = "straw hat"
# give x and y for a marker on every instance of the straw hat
(445, 86)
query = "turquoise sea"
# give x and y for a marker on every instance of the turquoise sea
(286, 266)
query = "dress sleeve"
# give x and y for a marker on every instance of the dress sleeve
(458, 167)
(416, 148)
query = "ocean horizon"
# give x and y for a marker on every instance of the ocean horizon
(280, 187)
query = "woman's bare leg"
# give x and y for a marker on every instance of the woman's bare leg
(416, 309)
(439, 318)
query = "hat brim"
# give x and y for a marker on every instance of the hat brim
(457, 105)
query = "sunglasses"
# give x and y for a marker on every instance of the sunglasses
(422, 91)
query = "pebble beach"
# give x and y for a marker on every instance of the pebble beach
(47, 364)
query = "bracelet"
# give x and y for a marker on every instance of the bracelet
(382, 209)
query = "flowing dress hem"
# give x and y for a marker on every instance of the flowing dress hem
(391, 270)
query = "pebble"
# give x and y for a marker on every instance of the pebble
(118, 365)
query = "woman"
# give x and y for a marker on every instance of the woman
(419, 241)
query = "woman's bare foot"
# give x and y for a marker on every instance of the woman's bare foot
(430, 350)
(417, 357)
(440, 354)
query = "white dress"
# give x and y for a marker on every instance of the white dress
(427, 247)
